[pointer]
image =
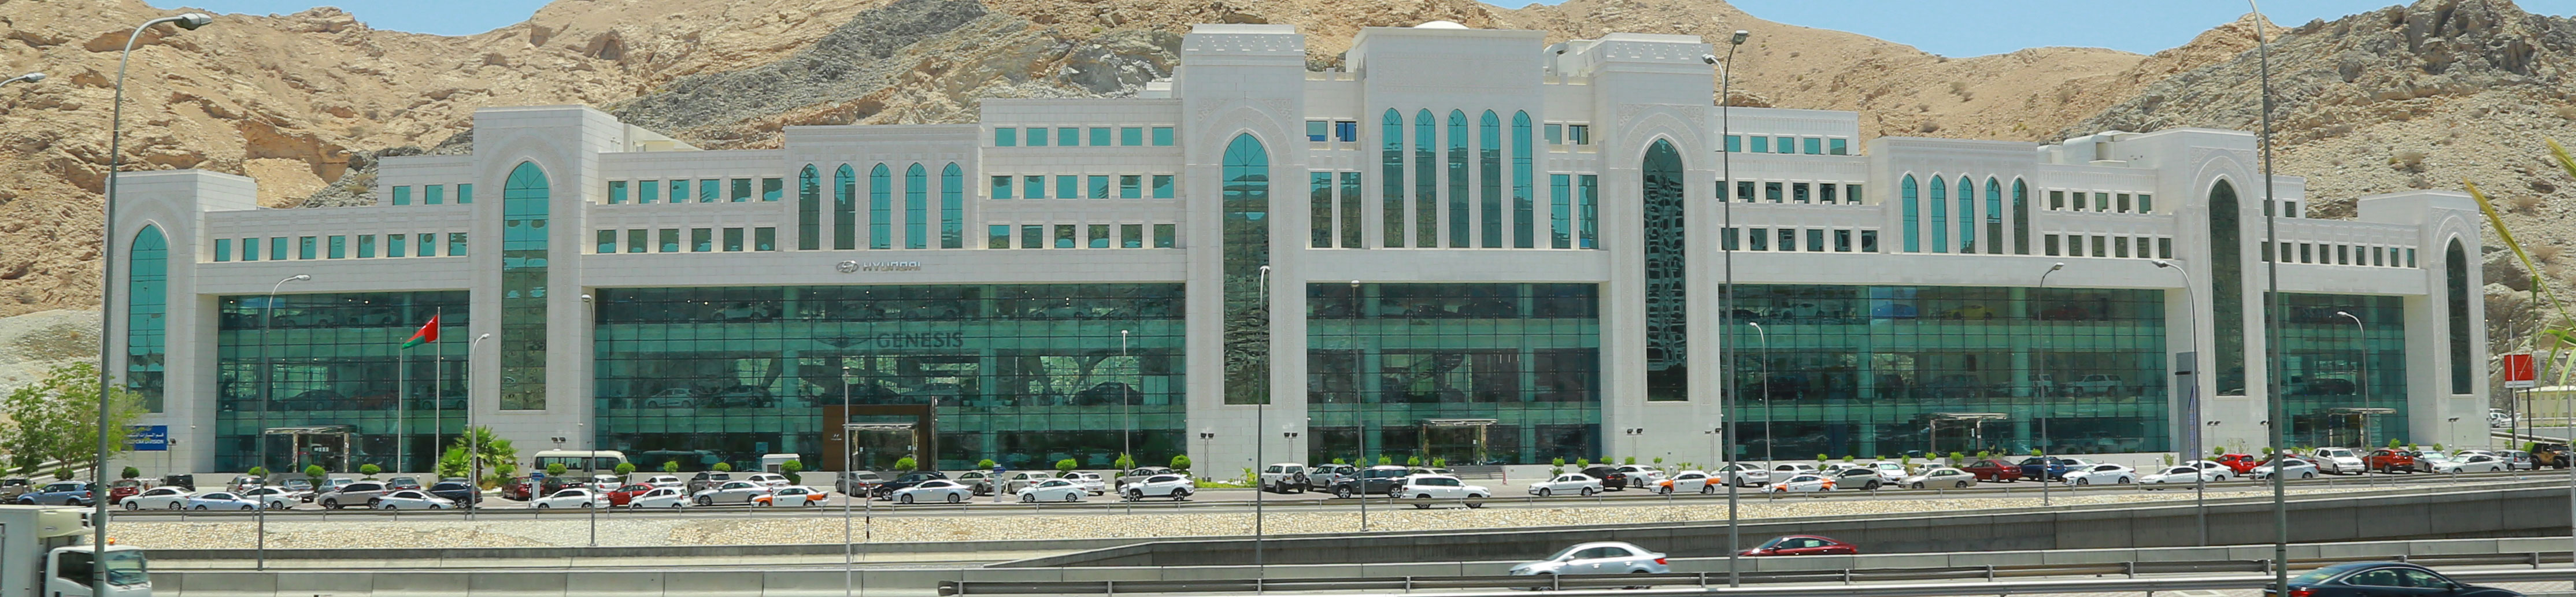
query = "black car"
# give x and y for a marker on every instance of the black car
(187, 481)
(1375, 480)
(1611, 478)
(460, 492)
(2382, 579)
(907, 480)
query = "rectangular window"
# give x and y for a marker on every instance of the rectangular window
(1798, 192)
(772, 188)
(1319, 202)
(250, 249)
(1131, 236)
(1838, 146)
(1099, 136)
(1066, 136)
(456, 244)
(1729, 239)
(679, 190)
(2343, 255)
(1162, 136)
(2098, 245)
(338, 247)
(464, 193)
(1001, 187)
(1851, 194)
(1033, 187)
(1346, 131)
(997, 236)
(732, 240)
(2267, 252)
(394, 245)
(649, 191)
(1555, 133)
(2101, 202)
(638, 240)
(1771, 191)
(2122, 200)
(1788, 239)
(1166, 236)
(2146, 203)
(1744, 191)
(1099, 236)
(1761, 239)
(306, 247)
(616, 192)
(1842, 241)
(1131, 136)
(1560, 211)
(741, 190)
(1761, 144)
(1735, 144)
(1580, 134)
(1352, 223)
(1587, 203)
(2410, 258)
(1064, 236)
(1162, 186)
(702, 240)
(1006, 137)
(1815, 240)
(1068, 186)
(2378, 258)
(2164, 248)
(669, 239)
(1868, 241)
(223, 250)
(1032, 236)
(607, 242)
(1813, 146)
(710, 190)
(402, 195)
(1131, 186)
(764, 238)
(2120, 247)
(1037, 136)
(2307, 253)
(1825, 192)
(277, 247)
(2050, 244)
(2057, 199)
(1318, 130)
(433, 194)
(1099, 186)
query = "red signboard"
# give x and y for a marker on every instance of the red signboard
(2518, 372)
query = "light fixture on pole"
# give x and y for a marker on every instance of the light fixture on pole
(1726, 288)
(473, 441)
(1259, 412)
(2275, 408)
(2046, 462)
(2200, 476)
(1768, 443)
(107, 283)
(1359, 311)
(25, 78)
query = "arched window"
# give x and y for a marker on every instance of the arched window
(2021, 218)
(525, 202)
(916, 207)
(880, 208)
(2455, 273)
(1524, 205)
(2227, 288)
(845, 208)
(147, 304)
(1246, 174)
(1667, 307)
(1940, 215)
(1913, 207)
(1967, 215)
(952, 207)
(1391, 177)
(1994, 217)
(1461, 229)
(809, 209)
(1489, 176)
(1426, 180)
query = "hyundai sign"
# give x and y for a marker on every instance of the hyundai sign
(149, 438)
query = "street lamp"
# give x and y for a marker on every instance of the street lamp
(2200, 477)
(107, 279)
(1726, 288)
(1260, 411)
(2046, 462)
(268, 319)
(1768, 443)
(2276, 410)
(1359, 311)
(1126, 422)
(473, 441)
(25, 78)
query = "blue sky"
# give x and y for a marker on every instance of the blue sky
(1946, 27)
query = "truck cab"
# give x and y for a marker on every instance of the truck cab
(50, 537)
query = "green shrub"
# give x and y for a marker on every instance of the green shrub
(129, 473)
(1126, 462)
(1066, 465)
(370, 470)
(315, 472)
(552, 470)
(258, 471)
(1180, 462)
(789, 469)
(670, 466)
(984, 465)
(1414, 460)
(625, 468)
(1339, 461)
(905, 464)
(723, 467)
(1628, 460)
(1384, 460)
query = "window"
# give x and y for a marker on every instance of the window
(649, 191)
(702, 240)
(2455, 274)
(2021, 217)
(1851, 194)
(2101, 202)
(2075, 245)
(2164, 248)
(638, 240)
(1131, 136)
(1837, 146)
(1245, 240)
(338, 247)
(2307, 253)
(1166, 236)
(1560, 211)
(1131, 236)
(1554, 133)
(433, 194)
(456, 243)
(771, 188)
(1162, 186)
(1037, 136)
(1735, 144)
(1318, 130)
(1064, 236)
(1994, 217)
(1098, 236)
(1001, 187)
(1162, 136)
(809, 208)
(2057, 200)
(616, 192)
(2122, 201)
(1098, 187)
(394, 245)
(402, 195)
(224, 249)
(710, 189)
(1131, 186)
(1788, 239)
(1032, 236)
(1587, 202)
(1771, 191)
(1940, 216)
(1346, 131)
(1099, 136)
(1489, 145)
(1798, 192)
(1868, 241)
(845, 208)
(1813, 145)
(1033, 187)
(997, 236)
(1744, 191)
(1068, 186)
(1006, 137)
(2098, 242)
(2120, 247)
(679, 191)
(916, 207)
(1761, 239)
(1524, 183)
(1066, 136)
(1581, 134)
(277, 248)
(1460, 221)
(1825, 192)
(2051, 241)
(764, 239)
(305, 247)
(1319, 202)
(1967, 215)
(1815, 239)
(1729, 239)
(2146, 203)
(1761, 144)
(607, 242)
(464, 194)
(1426, 180)
(741, 190)
(733, 240)
(669, 240)
(1905, 196)
(952, 207)
(1842, 241)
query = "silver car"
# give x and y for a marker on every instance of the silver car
(731, 492)
(1600, 557)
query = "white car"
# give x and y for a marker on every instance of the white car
(1172, 486)
(773, 480)
(1569, 483)
(158, 498)
(732, 492)
(1802, 483)
(275, 498)
(664, 481)
(1641, 475)
(1942, 478)
(2218, 471)
(1427, 487)
(221, 500)
(2183, 475)
(1698, 481)
(413, 499)
(660, 497)
(935, 490)
(2293, 468)
(2341, 461)
(2470, 463)
(570, 498)
(1745, 474)
(792, 495)
(1054, 490)
(1090, 482)
(1893, 472)
(2100, 474)
(1605, 557)
(2430, 461)
(1784, 471)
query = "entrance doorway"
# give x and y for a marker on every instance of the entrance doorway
(1459, 441)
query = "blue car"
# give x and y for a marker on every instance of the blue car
(63, 493)
(2382, 579)
(2055, 468)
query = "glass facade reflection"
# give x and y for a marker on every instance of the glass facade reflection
(2325, 358)
(1025, 375)
(1862, 370)
(147, 303)
(1405, 362)
(336, 359)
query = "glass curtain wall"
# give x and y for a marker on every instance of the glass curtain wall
(2330, 361)
(1246, 253)
(1026, 375)
(524, 207)
(147, 302)
(1861, 370)
(1393, 361)
(333, 359)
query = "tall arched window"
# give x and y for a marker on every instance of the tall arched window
(845, 208)
(147, 305)
(1391, 177)
(1489, 176)
(2227, 288)
(1426, 180)
(1667, 304)
(916, 207)
(1994, 217)
(525, 205)
(1906, 194)
(952, 207)
(1967, 215)
(1524, 205)
(2455, 273)
(1246, 174)
(2021, 218)
(1461, 222)
(880, 208)
(809, 209)
(1940, 215)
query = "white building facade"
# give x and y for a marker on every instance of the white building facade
(1469, 245)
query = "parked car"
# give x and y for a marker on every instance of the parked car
(1744, 474)
(186, 481)
(2184, 475)
(2045, 468)
(402, 483)
(934, 490)
(1861, 478)
(2101, 474)
(887, 489)
(1943, 477)
(1427, 487)
(1636, 475)
(458, 492)
(413, 499)
(274, 498)
(792, 495)
(2473, 463)
(2387, 460)
(2097, 384)
(2550, 454)
(571, 497)
(2382, 579)
(852, 482)
(1892, 472)
(10, 489)
(1612, 479)
(221, 501)
(660, 497)
(731, 492)
(2518, 460)
(769, 479)
(1176, 487)
(243, 482)
(519, 488)
(1803, 483)
(1089, 482)
(1793, 469)
(620, 496)
(1053, 490)
(1994, 470)
(671, 481)
(979, 481)
(1139, 474)
(2497, 417)
(1279, 478)
(2340, 461)
(119, 489)
(158, 498)
(2291, 468)
(1013, 482)
(1375, 480)
(1802, 545)
(1568, 484)
(2243, 464)
(1600, 557)
(706, 479)
(1687, 481)
(1325, 475)
(360, 494)
(2426, 462)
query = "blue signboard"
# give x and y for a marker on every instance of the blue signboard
(149, 438)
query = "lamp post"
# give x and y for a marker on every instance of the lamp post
(2046, 461)
(25, 78)
(1126, 421)
(1768, 444)
(267, 319)
(1259, 412)
(1359, 311)
(2276, 410)
(107, 283)
(590, 315)
(2200, 476)
(1726, 288)
(473, 441)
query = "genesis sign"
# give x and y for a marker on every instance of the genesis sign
(852, 267)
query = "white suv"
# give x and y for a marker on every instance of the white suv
(1430, 487)
(1279, 477)
(1171, 486)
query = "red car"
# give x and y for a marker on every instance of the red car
(516, 489)
(1802, 545)
(1994, 470)
(2243, 464)
(120, 489)
(2389, 460)
(621, 495)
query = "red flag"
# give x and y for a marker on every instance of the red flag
(428, 333)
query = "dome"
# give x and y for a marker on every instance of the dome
(1440, 25)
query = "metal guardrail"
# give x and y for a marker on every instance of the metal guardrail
(1991, 577)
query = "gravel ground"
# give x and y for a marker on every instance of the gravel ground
(451, 531)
